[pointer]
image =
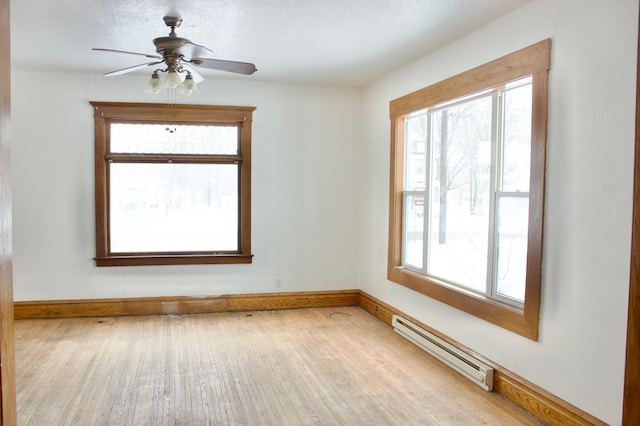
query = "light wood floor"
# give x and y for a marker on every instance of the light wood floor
(328, 366)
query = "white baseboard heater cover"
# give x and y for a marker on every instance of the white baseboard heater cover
(462, 362)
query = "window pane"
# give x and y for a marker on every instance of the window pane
(517, 139)
(173, 139)
(512, 229)
(413, 229)
(460, 193)
(416, 134)
(173, 207)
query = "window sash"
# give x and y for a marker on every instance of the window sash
(423, 265)
(166, 208)
(172, 138)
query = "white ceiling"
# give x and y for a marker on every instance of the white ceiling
(344, 42)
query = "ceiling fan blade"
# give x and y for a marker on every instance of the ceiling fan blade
(130, 69)
(197, 78)
(129, 53)
(230, 66)
(191, 50)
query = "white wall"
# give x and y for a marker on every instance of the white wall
(580, 354)
(305, 155)
(320, 194)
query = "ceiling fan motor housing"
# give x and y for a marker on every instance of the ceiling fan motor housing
(167, 45)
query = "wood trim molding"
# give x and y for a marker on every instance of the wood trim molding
(182, 305)
(542, 404)
(630, 406)
(8, 414)
(108, 113)
(529, 60)
(534, 62)
(535, 400)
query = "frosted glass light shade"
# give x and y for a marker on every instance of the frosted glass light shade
(189, 86)
(154, 84)
(172, 81)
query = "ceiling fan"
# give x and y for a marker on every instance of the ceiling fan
(178, 56)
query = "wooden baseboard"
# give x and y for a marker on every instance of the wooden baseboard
(545, 406)
(182, 305)
(537, 401)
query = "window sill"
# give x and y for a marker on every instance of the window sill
(523, 322)
(174, 259)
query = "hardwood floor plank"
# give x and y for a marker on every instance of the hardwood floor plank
(318, 366)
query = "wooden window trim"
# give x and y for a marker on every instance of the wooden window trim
(530, 61)
(105, 112)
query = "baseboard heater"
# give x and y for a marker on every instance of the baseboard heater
(462, 362)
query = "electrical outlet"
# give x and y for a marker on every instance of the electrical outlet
(278, 282)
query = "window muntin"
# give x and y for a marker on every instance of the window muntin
(508, 183)
(173, 184)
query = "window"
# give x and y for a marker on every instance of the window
(467, 185)
(173, 184)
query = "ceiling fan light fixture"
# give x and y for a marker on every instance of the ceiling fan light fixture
(154, 84)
